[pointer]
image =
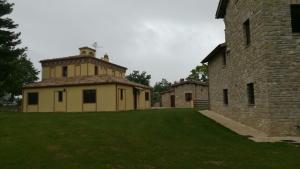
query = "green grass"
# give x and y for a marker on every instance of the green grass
(154, 139)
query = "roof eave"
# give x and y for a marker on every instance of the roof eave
(86, 84)
(221, 11)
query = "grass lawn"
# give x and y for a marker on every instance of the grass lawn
(154, 139)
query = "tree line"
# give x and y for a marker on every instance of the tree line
(16, 70)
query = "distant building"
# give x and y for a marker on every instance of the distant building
(186, 94)
(84, 83)
(254, 78)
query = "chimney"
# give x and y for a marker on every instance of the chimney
(106, 58)
(87, 51)
(181, 80)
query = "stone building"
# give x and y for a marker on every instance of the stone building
(254, 78)
(84, 83)
(186, 94)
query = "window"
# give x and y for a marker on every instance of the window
(121, 94)
(188, 97)
(89, 96)
(65, 71)
(147, 96)
(247, 32)
(295, 14)
(250, 92)
(96, 70)
(225, 96)
(33, 98)
(60, 96)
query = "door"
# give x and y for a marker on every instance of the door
(172, 100)
(122, 96)
(135, 98)
(60, 101)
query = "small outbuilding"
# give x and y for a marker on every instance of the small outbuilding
(186, 94)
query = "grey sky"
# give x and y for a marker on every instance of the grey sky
(166, 38)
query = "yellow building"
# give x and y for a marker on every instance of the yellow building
(84, 83)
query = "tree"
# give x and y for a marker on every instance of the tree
(200, 73)
(159, 87)
(15, 69)
(141, 78)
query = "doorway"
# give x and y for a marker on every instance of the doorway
(135, 98)
(60, 101)
(172, 100)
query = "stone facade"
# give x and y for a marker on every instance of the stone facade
(271, 62)
(199, 92)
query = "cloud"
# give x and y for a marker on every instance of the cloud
(166, 38)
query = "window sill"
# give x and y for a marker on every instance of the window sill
(295, 33)
(251, 105)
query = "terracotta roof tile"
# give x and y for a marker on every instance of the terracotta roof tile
(81, 81)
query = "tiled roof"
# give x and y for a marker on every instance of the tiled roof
(190, 82)
(79, 57)
(184, 83)
(82, 81)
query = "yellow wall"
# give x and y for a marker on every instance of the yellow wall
(77, 70)
(107, 99)
(127, 102)
(84, 69)
(109, 72)
(52, 72)
(45, 73)
(143, 104)
(58, 71)
(59, 106)
(91, 69)
(71, 70)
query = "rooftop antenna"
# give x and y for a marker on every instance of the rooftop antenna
(96, 46)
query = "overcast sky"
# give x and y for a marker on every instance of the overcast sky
(166, 38)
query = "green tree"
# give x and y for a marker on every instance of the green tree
(159, 87)
(15, 69)
(141, 78)
(200, 73)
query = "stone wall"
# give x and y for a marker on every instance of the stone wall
(166, 99)
(271, 62)
(283, 51)
(199, 92)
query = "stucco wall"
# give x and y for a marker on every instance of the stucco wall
(107, 99)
